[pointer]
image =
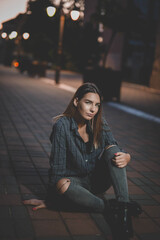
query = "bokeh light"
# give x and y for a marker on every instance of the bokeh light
(3, 34)
(13, 34)
(51, 11)
(75, 15)
(26, 35)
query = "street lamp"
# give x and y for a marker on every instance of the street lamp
(66, 7)
(25, 35)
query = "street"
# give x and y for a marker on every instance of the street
(27, 106)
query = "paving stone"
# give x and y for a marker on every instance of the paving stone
(140, 196)
(136, 190)
(75, 215)
(10, 199)
(147, 202)
(151, 174)
(23, 228)
(29, 180)
(19, 212)
(2, 189)
(12, 189)
(5, 212)
(6, 172)
(30, 188)
(82, 227)
(148, 182)
(143, 225)
(47, 228)
(156, 197)
(150, 236)
(137, 181)
(148, 190)
(91, 237)
(21, 159)
(7, 229)
(10, 180)
(44, 214)
(54, 238)
(156, 189)
(152, 211)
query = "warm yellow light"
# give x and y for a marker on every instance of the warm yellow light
(26, 35)
(13, 34)
(1, 25)
(4, 35)
(100, 39)
(75, 15)
(51, 11)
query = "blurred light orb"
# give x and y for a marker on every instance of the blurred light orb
(75, 15)
(26, 35)
(51, 11)
(4, 35)
(13, 34)
(100, 39)
(56, 2)
(15, 64)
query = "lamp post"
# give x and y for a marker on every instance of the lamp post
(65, 7)
(60, 42)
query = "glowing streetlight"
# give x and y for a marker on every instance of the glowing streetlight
(100, 39)
(75, 15)
(13, 34)
(51, 11)
(65, 8)
(3, 35)
(26, 35)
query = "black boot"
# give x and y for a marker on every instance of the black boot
(124, 221)
(118, 217)
(134, 208)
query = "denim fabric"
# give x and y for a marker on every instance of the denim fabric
(81, 194)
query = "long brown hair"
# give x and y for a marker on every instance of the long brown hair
(96, 122)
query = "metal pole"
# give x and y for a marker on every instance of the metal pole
(60, 42)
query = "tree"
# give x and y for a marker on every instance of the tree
(113, 15)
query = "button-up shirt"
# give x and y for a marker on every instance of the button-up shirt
(70, 155)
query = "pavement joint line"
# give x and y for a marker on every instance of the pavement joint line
(124, 108)
(134, 111)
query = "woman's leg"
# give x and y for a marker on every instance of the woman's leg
(118, 176)
(74, 193)
(121, 214)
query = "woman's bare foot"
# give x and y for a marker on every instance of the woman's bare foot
(35, 202)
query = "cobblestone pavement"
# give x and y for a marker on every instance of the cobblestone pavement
(27, 106)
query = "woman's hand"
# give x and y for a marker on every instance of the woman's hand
(35, 202)
(121, 159)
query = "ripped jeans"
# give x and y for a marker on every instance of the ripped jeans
(82, 191)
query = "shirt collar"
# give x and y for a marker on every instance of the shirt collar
(75, 126)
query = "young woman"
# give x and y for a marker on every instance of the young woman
(86, 160)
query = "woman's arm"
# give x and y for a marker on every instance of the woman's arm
(121, 158)
(58, 153)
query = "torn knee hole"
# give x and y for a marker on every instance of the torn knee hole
(62, 185)
(109, 146)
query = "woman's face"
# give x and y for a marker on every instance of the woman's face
(88, 106)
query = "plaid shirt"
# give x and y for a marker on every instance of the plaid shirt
(70, 155)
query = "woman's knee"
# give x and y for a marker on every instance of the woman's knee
(62, 185)
(110, 151)
(109, 146)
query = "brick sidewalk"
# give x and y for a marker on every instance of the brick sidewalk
(26, 109)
